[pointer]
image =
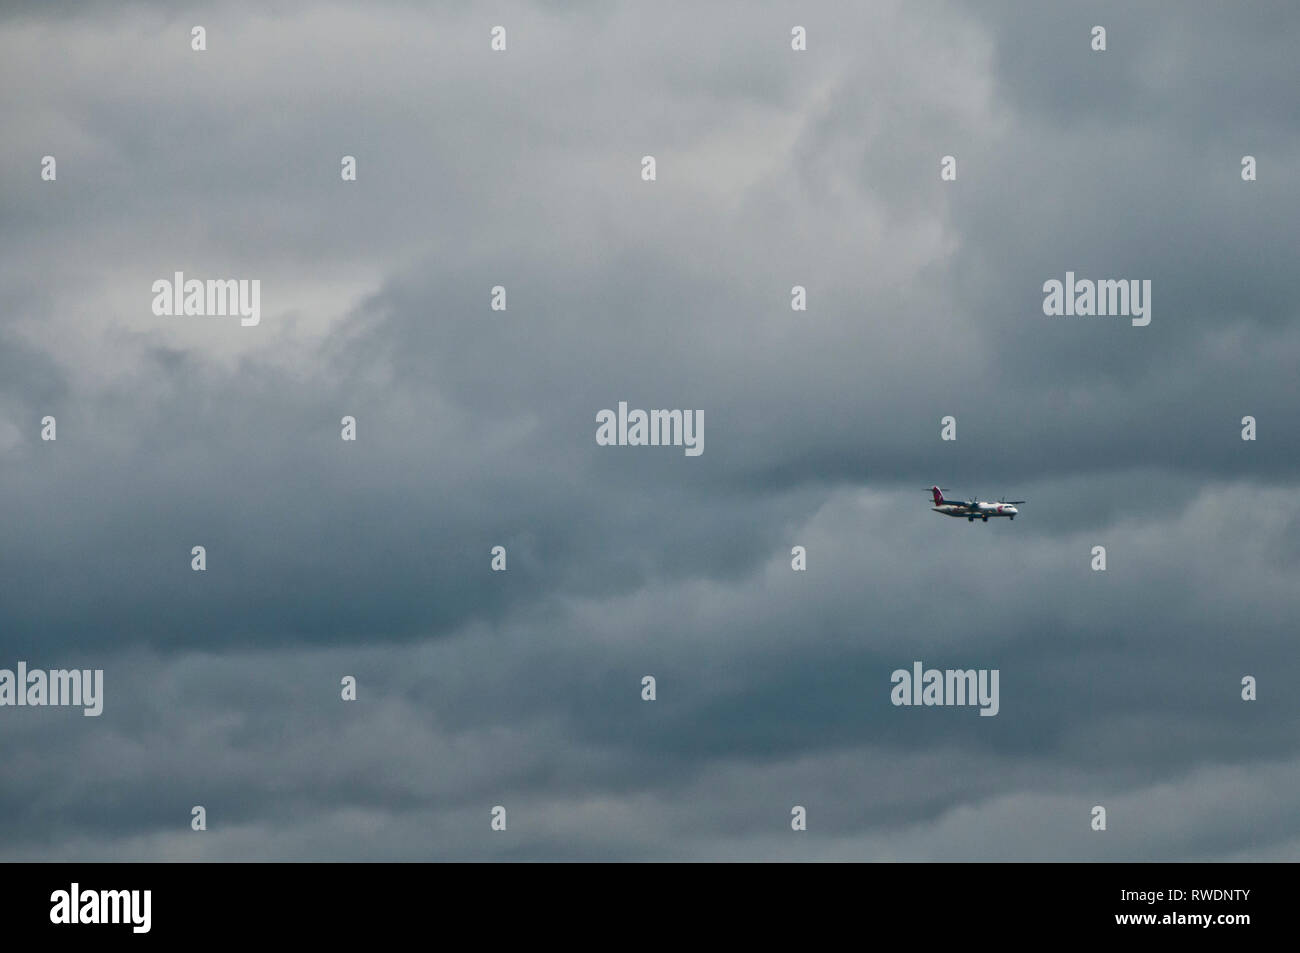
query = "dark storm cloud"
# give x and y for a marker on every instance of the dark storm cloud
(821, 429)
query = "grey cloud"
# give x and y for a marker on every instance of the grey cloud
(477, 428)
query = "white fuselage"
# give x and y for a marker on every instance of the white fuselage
(979, 511)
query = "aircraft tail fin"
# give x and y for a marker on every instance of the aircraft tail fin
(938, 495)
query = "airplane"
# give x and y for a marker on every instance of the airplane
(973, 508)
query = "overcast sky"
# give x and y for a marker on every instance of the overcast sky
(476, 428)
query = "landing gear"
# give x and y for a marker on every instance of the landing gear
(970, 519)
(1013, 516)
(986, 519)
